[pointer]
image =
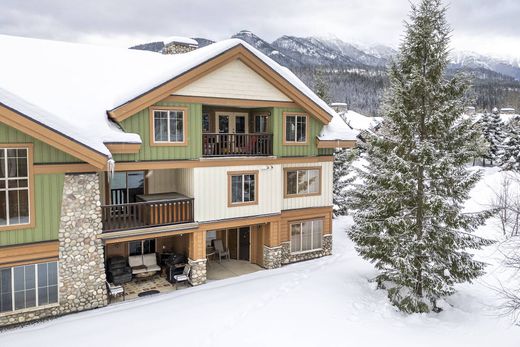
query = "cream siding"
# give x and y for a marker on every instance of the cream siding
(211, 193)
(166, 181)
(234, 80)
(324, 199)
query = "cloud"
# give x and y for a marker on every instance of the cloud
(487, 25)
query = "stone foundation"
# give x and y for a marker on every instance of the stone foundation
(81, 265)
(288, 257)
(198, 272)
(272, 257)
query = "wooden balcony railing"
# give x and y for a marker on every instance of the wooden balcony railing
(224, 145)
(146, 214)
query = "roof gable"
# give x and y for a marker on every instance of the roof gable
(234, 80)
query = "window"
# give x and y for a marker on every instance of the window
(299, 182)
(306, 236)
(210, 236)
(125, 186)
(242, 188)
(169, 126)
(141, 247)
(14, 186)
(261, 123)
(295, 128)
(205, 122)
(28, 286)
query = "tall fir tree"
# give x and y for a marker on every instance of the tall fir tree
(320, 87)
(342, 177)
(493, 132)
(510, 148)
(409, 218)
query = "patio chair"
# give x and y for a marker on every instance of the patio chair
(184, 277)
(114, 291)
(221, 252)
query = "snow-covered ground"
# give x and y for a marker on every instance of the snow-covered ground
(325, 302)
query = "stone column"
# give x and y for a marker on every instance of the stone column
(327, 244)
(272, 257)
(198, 271)
(82, 265)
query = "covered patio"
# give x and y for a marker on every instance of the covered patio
(230, 268)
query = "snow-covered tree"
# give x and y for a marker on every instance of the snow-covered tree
(510, 153)
(320, 87)
(342, 177)
(409, 218)
(493, 132)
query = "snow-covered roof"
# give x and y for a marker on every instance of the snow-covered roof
(338, 104)
(70, 87)
(338, 130)
(360, 122)
(180, 39)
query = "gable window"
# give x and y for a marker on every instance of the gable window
(14, 186)
(302, 181)
(306, 235)
(169, 126)
(141, 247)
(242, 188)
(295, 128)
(28, 286)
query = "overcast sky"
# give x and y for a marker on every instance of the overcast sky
(485, 26)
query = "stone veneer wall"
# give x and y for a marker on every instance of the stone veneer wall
(198, 272)
(288, 257)
(272, 257)
(81, 266)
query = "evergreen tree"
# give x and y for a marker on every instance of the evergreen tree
(341, 178)
(510, 153)
(320, 87)
(409, 218)
(493, 132)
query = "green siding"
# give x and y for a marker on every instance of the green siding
(43, 153)
(140, 124)
(325, 151)
(48, 192)
(281, 150)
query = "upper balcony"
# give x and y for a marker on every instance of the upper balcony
(226, 145)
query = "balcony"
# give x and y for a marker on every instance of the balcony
(150, 211)
(235, 145)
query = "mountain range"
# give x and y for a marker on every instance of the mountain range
(356, 74)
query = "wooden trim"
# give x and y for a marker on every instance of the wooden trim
(45, 169)
(30, 173)
(216, 101)
(284, 125)
(27, 125)
(29, 253)
(123, 148)
(185, 116)
(300, 168)
(230, 174)
(237, 52)
(183, 164)
(336, 143)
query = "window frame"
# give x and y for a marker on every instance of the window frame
(30, 186)
(267, 117)
(168, 109)
(300, 222)
(142, 246)
(284, 129)
(230, 175)
(286, 171)
(37, 287)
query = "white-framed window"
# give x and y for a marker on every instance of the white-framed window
(295, 128)
(302, 182)
(243, 188)
(169, 126)
(27, 286)
(14, 186)
(141, 247)
(306, 235)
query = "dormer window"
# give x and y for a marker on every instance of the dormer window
(169, 126)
